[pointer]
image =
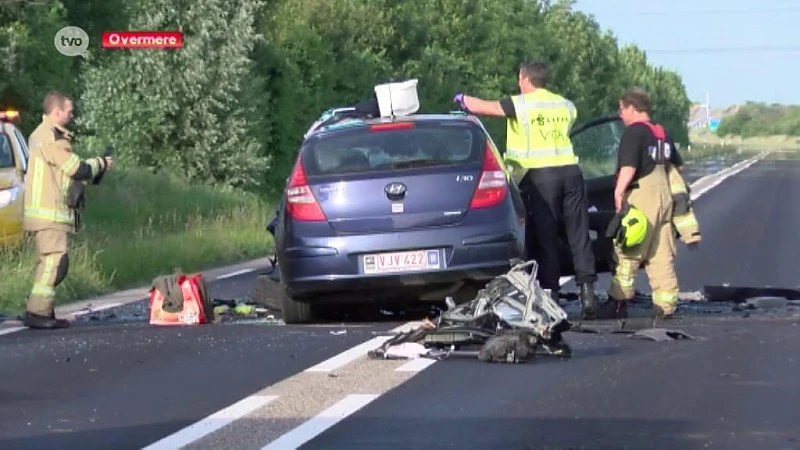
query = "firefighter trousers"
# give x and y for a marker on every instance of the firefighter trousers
(657, 252)
(556, 197)
(51, 269)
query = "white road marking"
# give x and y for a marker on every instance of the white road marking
(11, 330)
(416, 365)
(93, 310)
(723, 175)
(234, 274)
(318, 424)
(212, 423)
(358, 351)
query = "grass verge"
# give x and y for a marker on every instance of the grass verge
(139, 225)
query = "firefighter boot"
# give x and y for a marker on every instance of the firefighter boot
(588, 302)
(36, 321)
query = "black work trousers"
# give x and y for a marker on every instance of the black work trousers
(556, 197)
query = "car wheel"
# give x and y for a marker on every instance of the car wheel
(295, 311)
(272, 294)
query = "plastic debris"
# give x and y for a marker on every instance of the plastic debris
(406, 350)
(661, 334)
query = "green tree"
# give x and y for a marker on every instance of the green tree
(30, 65)
(181, 109)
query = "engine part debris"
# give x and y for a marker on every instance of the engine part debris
(510, 320)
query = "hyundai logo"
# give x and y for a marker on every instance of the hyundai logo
(395, 189)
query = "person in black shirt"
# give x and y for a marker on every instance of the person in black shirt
(642, 182)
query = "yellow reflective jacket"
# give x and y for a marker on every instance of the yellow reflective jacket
(539, 135)
(52, 168)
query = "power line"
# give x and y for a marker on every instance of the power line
(673, 12)
(787, 48)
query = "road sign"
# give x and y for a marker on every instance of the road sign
(713, 124)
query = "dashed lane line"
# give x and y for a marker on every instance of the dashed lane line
(321, 422)
(308, 404)
(212, 423)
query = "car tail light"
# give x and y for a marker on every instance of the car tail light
(493, 186)
(391, 126)
(300, 201)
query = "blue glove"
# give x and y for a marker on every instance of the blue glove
(459, 99)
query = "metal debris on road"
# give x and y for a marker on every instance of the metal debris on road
(508, 321)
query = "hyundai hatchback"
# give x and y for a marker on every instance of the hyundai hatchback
(415, 208)
(418, 207)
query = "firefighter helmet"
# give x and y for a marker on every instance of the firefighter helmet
(633, 227)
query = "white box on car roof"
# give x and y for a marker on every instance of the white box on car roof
(397, 99)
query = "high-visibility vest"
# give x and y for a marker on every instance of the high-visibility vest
(539, 135)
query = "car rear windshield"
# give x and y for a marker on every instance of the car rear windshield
(419, 144)
(6, 152)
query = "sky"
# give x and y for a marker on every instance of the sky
(736, 50)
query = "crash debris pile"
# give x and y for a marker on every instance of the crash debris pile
(511, 320)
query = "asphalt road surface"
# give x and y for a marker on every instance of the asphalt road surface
(261, 384)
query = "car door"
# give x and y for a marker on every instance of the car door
(21, 147)
(595, 143)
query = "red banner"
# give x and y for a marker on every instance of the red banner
(142, 39)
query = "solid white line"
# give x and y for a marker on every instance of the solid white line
(723, 175)
(416, 365)
(321, 422)
(212, 423)
(12, 330)
(233, 274)
(358, 351)
(93, 310)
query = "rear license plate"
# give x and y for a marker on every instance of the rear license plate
(402, 261)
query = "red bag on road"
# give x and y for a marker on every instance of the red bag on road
(179, 300)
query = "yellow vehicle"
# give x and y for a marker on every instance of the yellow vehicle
(13, 166)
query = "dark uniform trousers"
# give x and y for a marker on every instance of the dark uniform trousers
(556, 197)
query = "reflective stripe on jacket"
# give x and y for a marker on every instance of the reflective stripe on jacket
(51, 166)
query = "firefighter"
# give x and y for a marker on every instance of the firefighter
(643, 187)
(50, 211)
(539, 150)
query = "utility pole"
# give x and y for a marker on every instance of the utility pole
(708, 111)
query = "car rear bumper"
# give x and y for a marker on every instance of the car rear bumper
(465, 255)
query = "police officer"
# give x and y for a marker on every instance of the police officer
(644, 160)
(50, 214)
(539, 150)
